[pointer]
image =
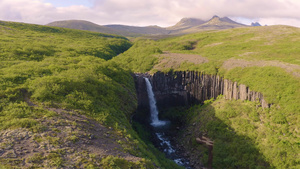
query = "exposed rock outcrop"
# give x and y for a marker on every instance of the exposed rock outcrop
(255, 24)
(187, 88)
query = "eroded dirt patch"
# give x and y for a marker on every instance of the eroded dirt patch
(233, 63)
(174, 60)
(67, 140)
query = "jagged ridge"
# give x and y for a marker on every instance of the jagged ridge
(185, 25)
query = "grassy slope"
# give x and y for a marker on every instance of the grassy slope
(278, 139)
(47, 71)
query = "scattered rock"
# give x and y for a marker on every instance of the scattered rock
(24, 146)
(10, 154)
(91, 137)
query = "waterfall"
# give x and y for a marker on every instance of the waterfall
(155, 122)
(160, 127)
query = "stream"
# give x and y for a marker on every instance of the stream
(160, 128)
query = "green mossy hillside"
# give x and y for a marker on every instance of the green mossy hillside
(279, 43)
(64, 68)
(45, 68)
(34, 43)
(270, 43)
(267, 61)
(141, 57)
(244, 136)
(46, 72)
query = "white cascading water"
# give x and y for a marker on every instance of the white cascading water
(153, 109)
(156, 123)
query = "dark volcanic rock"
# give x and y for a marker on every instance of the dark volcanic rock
(142, 113)
(188, 88)
(255, 24)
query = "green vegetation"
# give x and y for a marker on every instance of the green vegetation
(278, 86)
(258, 43)
(62, 68)
(45, 71)
(44, 68)
(140, 57)
(279, 43)
(114, 162)
(34, 43)
(245, 136)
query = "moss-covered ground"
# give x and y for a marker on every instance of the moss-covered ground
(48, 73)
(266, 59)
(60, 98)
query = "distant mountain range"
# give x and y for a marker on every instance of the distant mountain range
(255, 24)
(184, 26)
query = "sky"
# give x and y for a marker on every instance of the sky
(150, 12)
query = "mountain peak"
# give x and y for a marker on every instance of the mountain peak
(184, 26)
(190, 21)
(187, 23)
(216, 20)
(255, 24)
(215, 16)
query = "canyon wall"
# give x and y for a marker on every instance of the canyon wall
(184, 88)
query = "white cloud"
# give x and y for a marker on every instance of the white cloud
(24, 11)
(152, 12)
(279, 21)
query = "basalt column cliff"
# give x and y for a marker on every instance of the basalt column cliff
(187, 88)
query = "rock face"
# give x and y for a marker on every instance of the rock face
(188, 88)
(141, 89)
(142, 113)
(255, 24)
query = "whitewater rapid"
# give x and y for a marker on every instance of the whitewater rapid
(159, 126)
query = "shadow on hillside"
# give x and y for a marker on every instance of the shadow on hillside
(230, 149)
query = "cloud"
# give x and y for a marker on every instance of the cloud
(280, 21)
(152, 12)
(169, 12)
(24, 11)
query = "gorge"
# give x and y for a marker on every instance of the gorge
(183, 89)
(188, 88)
(73, 99)
(160, 127)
